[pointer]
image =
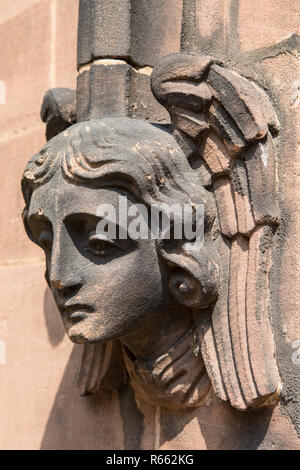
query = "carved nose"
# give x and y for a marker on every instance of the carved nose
(63, 275)
(64, 285)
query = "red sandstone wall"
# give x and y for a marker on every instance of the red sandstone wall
(37, 52)
(39, 403)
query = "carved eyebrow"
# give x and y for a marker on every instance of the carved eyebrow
(87, 214)
(39, 213)
(38, 217)
(36, 223)
(86, 222)
(88, 218)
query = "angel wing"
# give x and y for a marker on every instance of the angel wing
(225, 124)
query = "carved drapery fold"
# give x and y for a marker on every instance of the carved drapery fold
(102, 368)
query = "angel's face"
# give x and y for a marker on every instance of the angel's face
(103, 289)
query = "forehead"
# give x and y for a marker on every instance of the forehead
(59, 198)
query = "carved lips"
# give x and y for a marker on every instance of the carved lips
(76, 311)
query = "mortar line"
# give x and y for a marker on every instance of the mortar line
(21, 262)
(146, 70)
(20, 133)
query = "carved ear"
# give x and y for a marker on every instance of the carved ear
(225, 124)
(194, 274)
(187, 291)
(58, 110)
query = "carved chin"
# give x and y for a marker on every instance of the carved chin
(85, 332)
(77, 334)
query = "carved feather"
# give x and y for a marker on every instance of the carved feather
(229, 123)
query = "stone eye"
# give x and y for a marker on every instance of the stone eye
(45, 240)
(100, 246)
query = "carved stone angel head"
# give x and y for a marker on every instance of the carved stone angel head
(176, 320)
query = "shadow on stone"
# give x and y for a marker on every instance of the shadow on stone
(54, 323)
(217, 426)
(104, 421)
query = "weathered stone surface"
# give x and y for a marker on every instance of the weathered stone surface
(140, 31)
(201, 95)
(155, 29)
(282, 72)
(213, 426)
(58, 110)
(117, 89)
(225, 204)
(177, 80)
(260, 344)
(104, 30)
(237, 315)
(129, 155)
(215, 28)
(211, 10)
(269, 25)
(177, 379)
(176, 85)
(239, 113)
(215, 153)
(241, 101)
(106, 88)
(241, 197)
(142, 104)
(203, 27)
(261, 171)
(222, 124)
(82, 96)
(102, 368)
(214, 335)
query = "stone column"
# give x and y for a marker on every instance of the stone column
(118, 44)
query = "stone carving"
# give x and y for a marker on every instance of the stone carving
(58, 110)
(173, 321)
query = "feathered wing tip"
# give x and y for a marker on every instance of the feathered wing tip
(227, 123)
